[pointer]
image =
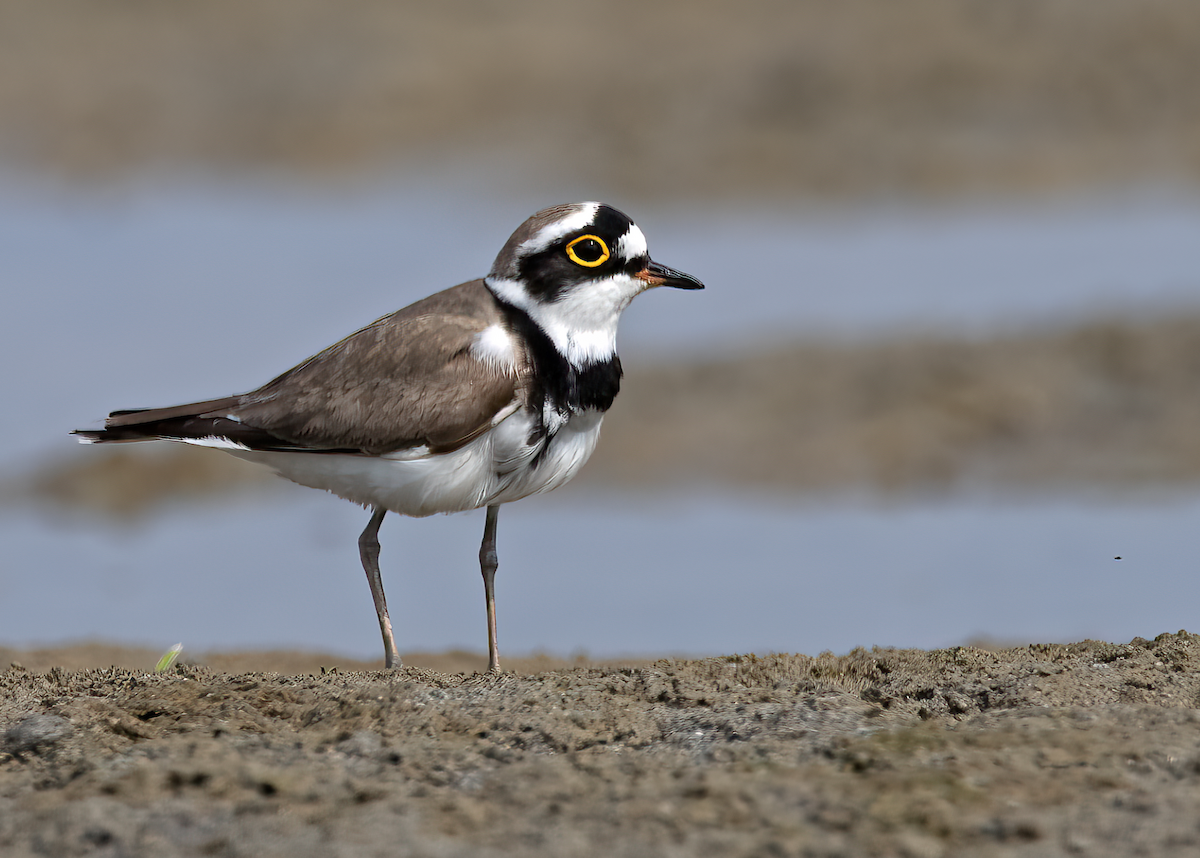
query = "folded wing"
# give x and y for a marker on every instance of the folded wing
(407, 380)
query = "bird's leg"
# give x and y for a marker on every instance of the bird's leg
(487, 565)
(368, 550)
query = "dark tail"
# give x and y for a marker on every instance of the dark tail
(210, 421)
(195, 420)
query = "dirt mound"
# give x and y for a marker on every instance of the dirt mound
(1085, 748)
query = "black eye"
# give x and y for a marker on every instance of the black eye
(588, 251)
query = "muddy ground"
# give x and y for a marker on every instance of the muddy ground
(1079, 749)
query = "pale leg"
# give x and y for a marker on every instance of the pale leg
(487, 565)
(368, 550)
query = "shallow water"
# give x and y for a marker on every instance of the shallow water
(160, 294)
(614, 574)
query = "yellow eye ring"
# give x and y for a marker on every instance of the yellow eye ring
(597, 245)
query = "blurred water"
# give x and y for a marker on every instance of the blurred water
(613, 575)
(160, 294)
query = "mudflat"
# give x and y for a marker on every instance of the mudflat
(1078, 749)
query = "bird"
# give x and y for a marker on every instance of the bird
(476, 396)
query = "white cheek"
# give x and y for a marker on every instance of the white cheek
(597, 304)
(583, 323)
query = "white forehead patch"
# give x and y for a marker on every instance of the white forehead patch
(632, 245)
(551, 232)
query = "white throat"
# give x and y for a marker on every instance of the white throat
(582, 323)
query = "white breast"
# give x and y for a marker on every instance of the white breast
(498, 467)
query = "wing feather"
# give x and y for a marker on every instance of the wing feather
(406, 380)
(398, 383)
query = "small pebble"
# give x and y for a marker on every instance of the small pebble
(35, 731)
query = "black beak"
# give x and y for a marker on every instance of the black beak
(661, 275)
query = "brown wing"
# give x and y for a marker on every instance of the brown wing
(406, 380)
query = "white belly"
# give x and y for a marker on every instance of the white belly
(497, 467)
